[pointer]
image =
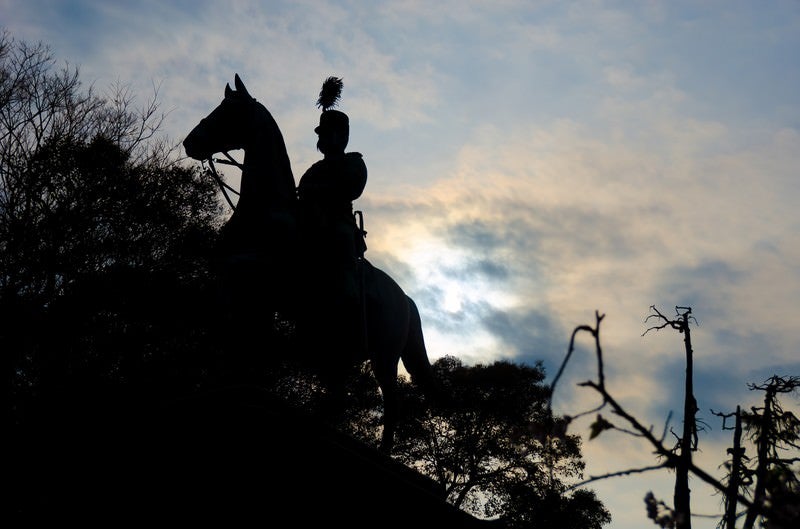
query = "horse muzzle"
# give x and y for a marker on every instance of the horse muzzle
(193, 145)
(199, 144)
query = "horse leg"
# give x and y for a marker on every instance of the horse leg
(387, 380)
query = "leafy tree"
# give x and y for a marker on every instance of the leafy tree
(84, 183)
(491, 447)
(104, 236)
(576, 509)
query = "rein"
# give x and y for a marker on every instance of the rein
(223, 186)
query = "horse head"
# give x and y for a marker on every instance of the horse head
(241, 122)
(224, 128)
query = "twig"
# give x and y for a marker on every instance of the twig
(615, 474)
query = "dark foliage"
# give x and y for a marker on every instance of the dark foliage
(491, 448)
(580, 509)
(104, 242)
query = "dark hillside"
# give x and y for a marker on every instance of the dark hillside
(227, 455)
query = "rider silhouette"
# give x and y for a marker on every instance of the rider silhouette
(334, 242)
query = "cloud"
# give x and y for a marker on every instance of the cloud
(529, 164)
(570, 221)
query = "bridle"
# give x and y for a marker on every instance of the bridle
(223, 186)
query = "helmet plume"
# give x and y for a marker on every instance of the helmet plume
(330, 93)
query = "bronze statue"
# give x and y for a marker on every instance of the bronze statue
(264, 259)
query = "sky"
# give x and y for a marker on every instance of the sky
(531, 164)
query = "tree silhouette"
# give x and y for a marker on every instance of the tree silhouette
(687, 442)
(768, 490)
(579, 509)
(774, 432)
(100, 230)
(491, 448)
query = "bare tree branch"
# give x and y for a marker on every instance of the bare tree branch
(626, 472)
(670, 459)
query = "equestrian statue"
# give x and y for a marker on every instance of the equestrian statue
(297, 251)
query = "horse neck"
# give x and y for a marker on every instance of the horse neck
(266, 172)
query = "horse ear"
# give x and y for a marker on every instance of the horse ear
(239, 84)
(228, 90)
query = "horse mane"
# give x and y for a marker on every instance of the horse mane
(269, 146)
(279, 152)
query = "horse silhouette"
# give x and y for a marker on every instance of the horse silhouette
(260, 248)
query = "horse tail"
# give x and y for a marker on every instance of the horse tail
(415, 355)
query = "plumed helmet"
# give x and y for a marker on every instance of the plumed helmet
(328, 98)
